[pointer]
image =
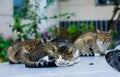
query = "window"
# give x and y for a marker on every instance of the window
(107, 2)
(19, 8)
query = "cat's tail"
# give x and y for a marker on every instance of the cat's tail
(40, 64)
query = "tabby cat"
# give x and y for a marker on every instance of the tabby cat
(45, 55)
(14, 52)
(50, 54)
(93, 44)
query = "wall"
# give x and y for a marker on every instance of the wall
(6, 16)
(86, 9)
(53, 10)
(6, 12)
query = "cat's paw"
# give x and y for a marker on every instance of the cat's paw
(71, 63)
(97, 54)
(76, 60)
(59, 64)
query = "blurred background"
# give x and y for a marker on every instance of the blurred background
(48, 19)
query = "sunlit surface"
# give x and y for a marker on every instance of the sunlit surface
(88, 66)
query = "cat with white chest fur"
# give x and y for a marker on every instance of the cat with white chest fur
(93, 44)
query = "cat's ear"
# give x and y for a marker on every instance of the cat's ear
(110, 32)
(98, 31)
(71, 49)
(39, 39)
(55, 48)
(22, 39)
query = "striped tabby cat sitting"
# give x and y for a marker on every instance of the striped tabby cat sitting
(34, 54)
(94, 44)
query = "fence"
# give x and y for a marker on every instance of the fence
(97, 24)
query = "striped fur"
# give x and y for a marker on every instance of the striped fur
(36, 57)
(93, 44)
(14, 52)
(40, 64)
(59, 57)
(34, 54)
(91, 54)
(44, 62)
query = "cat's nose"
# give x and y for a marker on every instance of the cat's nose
(102, 42)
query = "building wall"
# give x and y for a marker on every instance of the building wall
(6, 12)
(53, 10)
(6, 16)
(86, 9)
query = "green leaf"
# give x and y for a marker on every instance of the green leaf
(64, 14)
(2, 53)
(73, 14)
(115, 33)
(54, 17)
(91, 27)
(72, 29)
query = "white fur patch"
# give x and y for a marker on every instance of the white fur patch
(46, 58)
(76, 54)
(61, 62)
(97, 54)
(103, 46)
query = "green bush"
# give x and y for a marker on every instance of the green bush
(73, 31)
(31, 28)
(4, 44)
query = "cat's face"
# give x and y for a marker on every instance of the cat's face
(67, 56)
(103, 39)
(103, 36)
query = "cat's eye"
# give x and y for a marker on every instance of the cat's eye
(29, 51)
(64, 57)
